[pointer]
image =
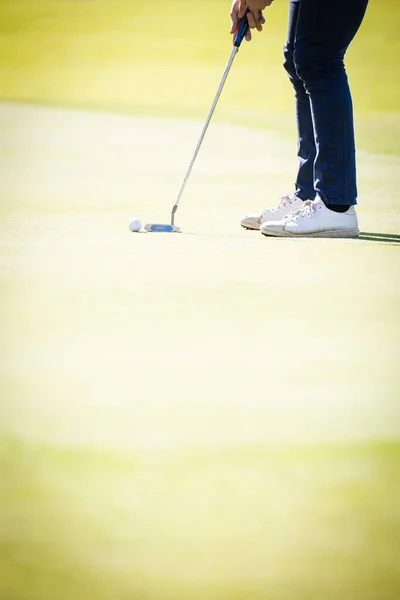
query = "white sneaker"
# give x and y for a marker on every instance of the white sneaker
(314, 219)
(285, 205)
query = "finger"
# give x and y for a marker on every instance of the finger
(234, 18)
(257, 19)
(247, 37)
(253, 23)
(242, 9)
(234, 21)
(234, 24)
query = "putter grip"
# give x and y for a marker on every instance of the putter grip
(241, 32)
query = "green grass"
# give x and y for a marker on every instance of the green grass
(300, 522)
(209, 416)
(127, 56)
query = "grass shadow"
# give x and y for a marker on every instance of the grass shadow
(390, 238)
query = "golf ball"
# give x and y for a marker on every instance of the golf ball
(135, 225)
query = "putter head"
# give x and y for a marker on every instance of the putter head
(161, 228)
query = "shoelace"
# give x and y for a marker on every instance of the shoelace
(306, 210)
(281, 203)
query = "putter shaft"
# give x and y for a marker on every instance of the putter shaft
(203, 132)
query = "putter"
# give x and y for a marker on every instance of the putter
(159, 227)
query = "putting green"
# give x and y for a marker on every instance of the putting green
(209, 414)
(198, 416)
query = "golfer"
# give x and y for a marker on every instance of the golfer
(325, 191)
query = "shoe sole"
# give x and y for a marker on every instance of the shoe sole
(337, 233)
(250, 227)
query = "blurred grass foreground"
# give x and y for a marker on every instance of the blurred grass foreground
(245, 523)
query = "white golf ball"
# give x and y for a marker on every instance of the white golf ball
(135, 225)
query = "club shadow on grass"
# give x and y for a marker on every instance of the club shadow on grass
(388, 238)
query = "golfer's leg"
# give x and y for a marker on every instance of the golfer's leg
(323, 33)
(304, 186)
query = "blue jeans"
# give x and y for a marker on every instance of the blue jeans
(319, 33)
